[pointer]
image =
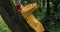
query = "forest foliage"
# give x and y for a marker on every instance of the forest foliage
(48, 12)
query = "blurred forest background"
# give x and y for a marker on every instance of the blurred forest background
(48, 12)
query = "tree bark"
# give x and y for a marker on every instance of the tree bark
(13, 26)
(12, 18)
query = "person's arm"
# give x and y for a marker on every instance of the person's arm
(28, 9)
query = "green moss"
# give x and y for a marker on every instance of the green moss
(3, 26)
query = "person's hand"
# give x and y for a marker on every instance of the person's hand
(19, 7)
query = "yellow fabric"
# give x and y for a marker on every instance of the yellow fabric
(29, 17)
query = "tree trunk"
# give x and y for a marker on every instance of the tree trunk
(8, 21)
(12, 18)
